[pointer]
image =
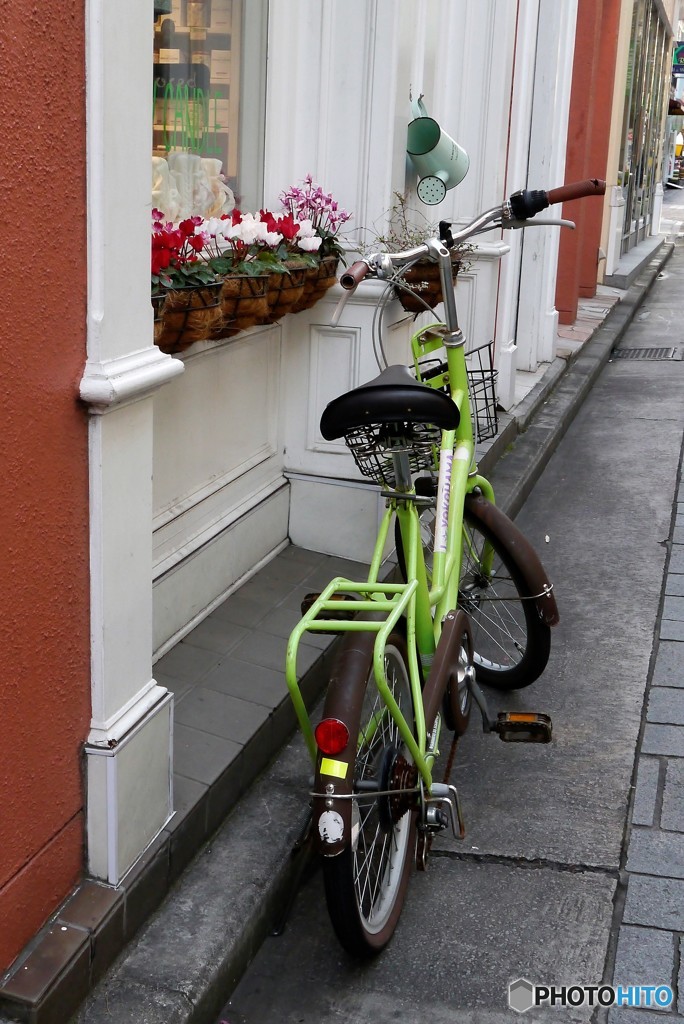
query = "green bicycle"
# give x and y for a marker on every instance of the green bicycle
(474, 605)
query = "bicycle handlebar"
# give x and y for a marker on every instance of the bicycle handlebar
(520, 207)
(577, 190)
(354, 275)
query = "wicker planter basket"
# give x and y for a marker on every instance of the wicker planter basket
(423, 279)
(284, 292)
(317, 280)
(189, 315)
(244, 303)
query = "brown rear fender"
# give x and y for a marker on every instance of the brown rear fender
(520, 550)
(332, 817)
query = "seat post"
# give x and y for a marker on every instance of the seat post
(402, 471)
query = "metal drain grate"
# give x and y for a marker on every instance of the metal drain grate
(647, 353)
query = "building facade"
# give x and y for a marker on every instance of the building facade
(146, 487)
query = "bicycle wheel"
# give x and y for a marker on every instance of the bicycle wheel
(511, 643)
(366, 884)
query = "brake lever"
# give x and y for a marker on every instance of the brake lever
(344, 298)
(539, 222)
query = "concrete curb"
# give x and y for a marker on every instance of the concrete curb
(188, 958)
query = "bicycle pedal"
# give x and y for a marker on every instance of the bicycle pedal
(523, 727)
(343, 615)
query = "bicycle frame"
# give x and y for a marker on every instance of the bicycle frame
(374, 801)
(423, 603)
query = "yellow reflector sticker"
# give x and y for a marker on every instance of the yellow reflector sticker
(337, 768)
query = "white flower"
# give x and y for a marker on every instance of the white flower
(249, 229)
(306, 229)
(310, 243)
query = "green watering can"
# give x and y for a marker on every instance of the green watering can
(440, 162)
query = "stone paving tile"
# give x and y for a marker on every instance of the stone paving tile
(669, 663)
(200, 756)
(187, 662)
(311, 558)
(673, 608)
(644, 956)
(294, 599)
(269, 651)
(674, 584)
(288, 570)
(241, 610)
(678, 534)
(672, 814)
(250, 682)
(269, 591)
(282, 620)
(320, 577)
(221, 714)
(214, 634)
(677, 559)
(666, 705)
(186, 794)
(663, 739)
(671, 630)
(176, 686)
(622, 1015)
(654, 852)
(655, 902)
(646, 793)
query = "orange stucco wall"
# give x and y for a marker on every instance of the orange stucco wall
(44, 644)
(587, 152)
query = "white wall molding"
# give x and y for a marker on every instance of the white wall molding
(124, 779)
(129, 746)
(550, 78)
(110, 732)
(127, 378)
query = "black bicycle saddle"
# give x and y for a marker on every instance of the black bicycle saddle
(395, 396)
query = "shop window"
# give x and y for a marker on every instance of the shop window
(644, 115)
(208, 88)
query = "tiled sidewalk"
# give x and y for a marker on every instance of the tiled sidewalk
(650, 949)
(232, 711)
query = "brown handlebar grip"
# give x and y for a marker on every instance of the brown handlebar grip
(354, 275)
(576, 190)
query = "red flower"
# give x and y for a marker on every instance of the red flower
(186, 228)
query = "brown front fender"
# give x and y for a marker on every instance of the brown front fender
(520, 550)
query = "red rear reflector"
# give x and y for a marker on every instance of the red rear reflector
(332, 736)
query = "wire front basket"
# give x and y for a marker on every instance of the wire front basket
(481, 382)
(374, 446)
(482, 386)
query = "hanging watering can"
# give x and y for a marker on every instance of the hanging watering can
(439, 161)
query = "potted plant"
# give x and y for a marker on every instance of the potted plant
(286, 291)
(185, 290)
(320, 219)
(418, 287)
(242, 250)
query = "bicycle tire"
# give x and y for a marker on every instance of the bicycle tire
(511, 642)
(365, 885)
